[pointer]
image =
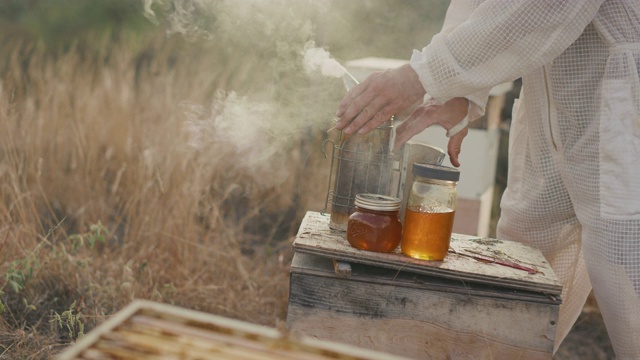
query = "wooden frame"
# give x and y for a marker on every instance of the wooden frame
(149, 330)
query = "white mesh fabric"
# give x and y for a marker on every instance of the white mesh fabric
(574, 156)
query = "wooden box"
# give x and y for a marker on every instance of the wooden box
(489, 299)
(149, 330)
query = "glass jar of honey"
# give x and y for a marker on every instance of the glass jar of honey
(375, 226)
(431, 206)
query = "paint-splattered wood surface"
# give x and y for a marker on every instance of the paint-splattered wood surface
(481, 260)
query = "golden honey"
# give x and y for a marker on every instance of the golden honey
(427, 234)
(373, 227)
(430, 211)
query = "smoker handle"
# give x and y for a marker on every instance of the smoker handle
(333, 151)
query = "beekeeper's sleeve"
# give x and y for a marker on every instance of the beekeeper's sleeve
(499, 41)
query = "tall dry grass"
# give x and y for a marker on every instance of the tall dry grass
(102, 200)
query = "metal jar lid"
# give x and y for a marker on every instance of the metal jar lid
(436, 172)
(377, 202)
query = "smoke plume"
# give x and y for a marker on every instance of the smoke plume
(285, 86)
(319, 59)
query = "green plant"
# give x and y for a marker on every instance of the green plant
(20, 272)
(95, 234)
(28, 307)
(70, 321)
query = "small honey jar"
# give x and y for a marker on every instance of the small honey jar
(375, 226)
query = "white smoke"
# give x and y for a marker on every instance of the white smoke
(240, 129)
(231, 120)
(319, 59)
(283, 94)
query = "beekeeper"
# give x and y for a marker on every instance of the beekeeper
(573, 188)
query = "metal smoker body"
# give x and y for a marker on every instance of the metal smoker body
(365, 164)
(359, 164)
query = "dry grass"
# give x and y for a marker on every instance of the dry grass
(94, 136)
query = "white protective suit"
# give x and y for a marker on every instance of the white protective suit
(573, 187)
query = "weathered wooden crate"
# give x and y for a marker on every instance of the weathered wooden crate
(149, 330)
(489, 299)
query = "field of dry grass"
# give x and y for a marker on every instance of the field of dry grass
(148, 166)
(103, 199)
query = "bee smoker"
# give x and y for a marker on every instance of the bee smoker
(359, 164)
(365, 164)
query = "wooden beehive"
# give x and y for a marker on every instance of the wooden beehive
(489, 299)
(149, 330)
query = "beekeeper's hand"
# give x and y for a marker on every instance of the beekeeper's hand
(455, 145)
(381, 95)
(448, 115)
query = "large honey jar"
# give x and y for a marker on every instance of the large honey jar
(375, 226)
(430, 211)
